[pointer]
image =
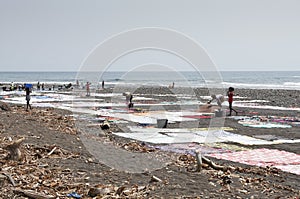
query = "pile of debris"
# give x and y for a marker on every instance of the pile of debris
(137, 147)
(52, 119)
(26, 171)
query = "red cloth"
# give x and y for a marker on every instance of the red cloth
(230, 96)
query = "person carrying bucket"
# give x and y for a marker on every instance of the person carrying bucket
(28, 91)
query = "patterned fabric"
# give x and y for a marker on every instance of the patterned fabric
(283, 160)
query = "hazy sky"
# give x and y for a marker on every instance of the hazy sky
(57, 35)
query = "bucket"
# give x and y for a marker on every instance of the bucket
(28, 85)
(162, 123)
(219, 113)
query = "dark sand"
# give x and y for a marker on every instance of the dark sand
(78, 170)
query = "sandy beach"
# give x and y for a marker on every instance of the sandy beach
(65, 152)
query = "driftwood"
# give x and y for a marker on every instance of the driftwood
(14, 150)
(199, 161)
(51, 151)
(10, 178)
(155, 179)
(2, 179)
(4, 106)
(200, 158)
(33, 194)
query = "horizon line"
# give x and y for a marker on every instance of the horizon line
(40, 71)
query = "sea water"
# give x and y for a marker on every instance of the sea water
(239, 79)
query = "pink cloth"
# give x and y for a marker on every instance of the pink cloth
(283, 160)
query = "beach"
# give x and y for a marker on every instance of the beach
(65, 150)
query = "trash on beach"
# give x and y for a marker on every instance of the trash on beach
(4, 106)
(74, 195)
(32, 166)
(138, 147)
(111, 191)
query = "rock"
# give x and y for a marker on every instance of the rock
(99, 191)
(105, 126)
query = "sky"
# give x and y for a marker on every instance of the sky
(59, 35)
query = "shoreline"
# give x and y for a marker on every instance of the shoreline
(268, 97)
(112, 85)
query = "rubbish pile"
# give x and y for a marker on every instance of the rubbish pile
(53, 120)
(34, 177)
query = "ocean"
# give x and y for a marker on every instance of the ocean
(289, 80)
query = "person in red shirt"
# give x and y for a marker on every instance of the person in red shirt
(230, 94)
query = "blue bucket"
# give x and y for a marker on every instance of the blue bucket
(28, 85)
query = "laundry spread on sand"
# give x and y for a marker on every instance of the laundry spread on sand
(260, 122)
(289, 168)
(263, 124)
(177, 130)
(206, 148)
(190, 148)
(284, 160)
(227, 146)
(181, 135)
(198, 116)
(267, 121)
(294, 121)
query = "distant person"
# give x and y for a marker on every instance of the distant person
(20, 87)
(129, 98)
(172, 85)
(68, 86)
(38, 86)
(103, 84)
(218, 98)
(12, 86)
(28, 91)
(88, 93)
(130, 105)
(230, 94)
(43, 86)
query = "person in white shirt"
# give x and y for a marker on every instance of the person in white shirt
(218, 98)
